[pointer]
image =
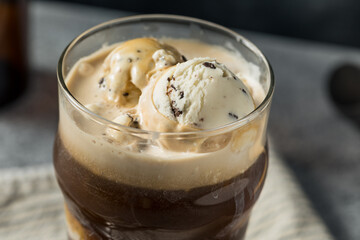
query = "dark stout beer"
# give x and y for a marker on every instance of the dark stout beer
(112, 210)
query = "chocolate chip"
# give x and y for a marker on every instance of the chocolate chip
(138, 50)
(101, 81)
(171, 78)
(234, 77)
(129, 60)
(209, 65)
(135, 124)
(173, 87)
(233, 115)
(181, 94)
(131, 117)
(183, 58)
(177, 112)
(201, 119)
(168, 90)
(125, 94)
(243, 90)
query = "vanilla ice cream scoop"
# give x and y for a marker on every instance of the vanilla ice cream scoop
(126, 69)
(198, 94)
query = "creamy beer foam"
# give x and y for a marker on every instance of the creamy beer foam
(146, 160)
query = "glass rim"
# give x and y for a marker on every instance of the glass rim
(147, 17)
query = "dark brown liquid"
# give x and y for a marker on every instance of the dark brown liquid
(13, 70)
(112, 210)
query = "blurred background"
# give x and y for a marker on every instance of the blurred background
(313, 46)
(335, 21)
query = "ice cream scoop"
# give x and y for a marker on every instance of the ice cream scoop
(126, 69)
(197, 94)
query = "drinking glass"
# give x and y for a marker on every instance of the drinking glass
(159, 185)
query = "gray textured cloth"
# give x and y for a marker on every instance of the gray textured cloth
(31, 207)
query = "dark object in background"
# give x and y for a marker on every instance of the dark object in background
(345, 91)
(333, 21)
(12, 50)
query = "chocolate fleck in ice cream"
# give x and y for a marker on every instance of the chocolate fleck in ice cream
(162, 142)
(198, 94)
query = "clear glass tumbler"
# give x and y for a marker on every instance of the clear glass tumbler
(124, 189)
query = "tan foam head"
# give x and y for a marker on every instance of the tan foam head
(151, 160)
